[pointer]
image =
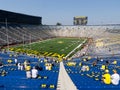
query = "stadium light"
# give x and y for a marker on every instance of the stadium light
(30, 41)
(7, 34)
(23, 40)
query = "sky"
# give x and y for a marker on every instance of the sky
(63, 11)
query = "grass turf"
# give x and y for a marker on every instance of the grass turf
(61, 46)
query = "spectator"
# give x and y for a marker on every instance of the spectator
(115, 78)
(94, 63)
(106, 77)
(16, 61)
(28, 74)
(107, 63)
(28, 67)
(25, 63)
(103, 67)
(101, 60)
(34, 73)
(38, 67)
(1, 63)
(83, 68)
(114, 62)
(19, 66)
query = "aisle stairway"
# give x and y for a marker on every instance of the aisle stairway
(64, 81)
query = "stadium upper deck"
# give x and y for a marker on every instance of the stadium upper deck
(17, 18)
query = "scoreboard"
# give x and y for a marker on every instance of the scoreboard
(80, 20)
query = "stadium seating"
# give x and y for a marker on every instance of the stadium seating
(12, 78)
(92, 79)
(106, 45)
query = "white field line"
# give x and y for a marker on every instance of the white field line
(76, 48)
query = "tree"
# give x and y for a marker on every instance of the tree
(58, 24)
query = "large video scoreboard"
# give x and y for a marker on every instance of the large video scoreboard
(80, 20)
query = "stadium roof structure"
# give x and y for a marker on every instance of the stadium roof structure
(18, 18)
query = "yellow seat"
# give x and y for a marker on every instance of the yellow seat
(9, 61)
(96, 79)
(52, 86)
(103, 67)
(84, 60)
(39, 77)
(45, 77)
(45, 60)
(115, 62)
(3, 73)
(12, 69)
(50, 68)
(89, 57)
(71, 63)
(43, 85)
(80, 64)
(87, 68)
(10, 55)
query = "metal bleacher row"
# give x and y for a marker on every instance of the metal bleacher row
(22, 34)
(56, 79)
(92, 79)
(13, 79)
(29, 33)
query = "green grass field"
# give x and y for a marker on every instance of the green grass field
(54, 47)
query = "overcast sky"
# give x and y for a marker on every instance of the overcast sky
(63, 11)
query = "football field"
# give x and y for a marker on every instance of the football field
(56, 47)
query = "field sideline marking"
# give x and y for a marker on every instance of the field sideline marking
(75, 48)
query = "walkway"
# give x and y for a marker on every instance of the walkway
(64, 81)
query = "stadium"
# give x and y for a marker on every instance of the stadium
(59, 52)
